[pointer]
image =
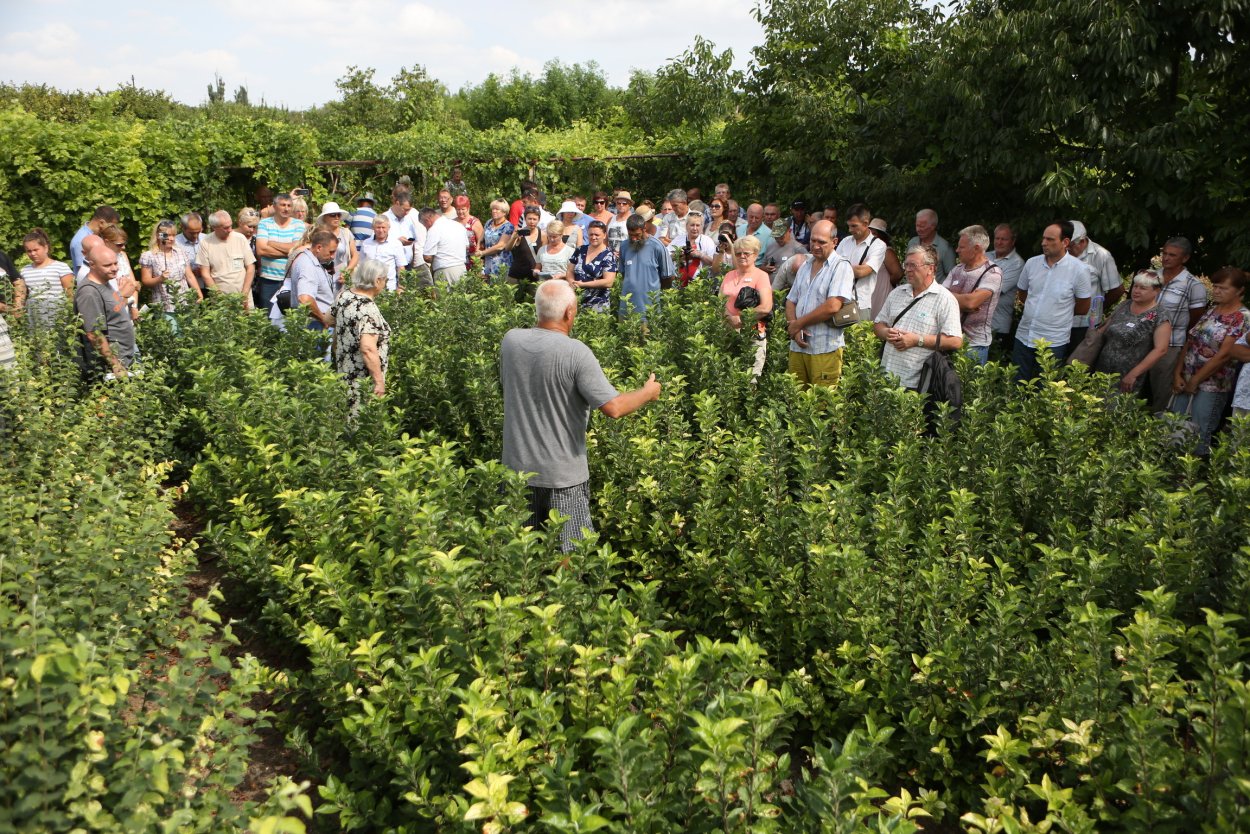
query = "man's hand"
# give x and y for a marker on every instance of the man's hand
(127, 286)
(652, 388)
(793, 330)
(901, 339)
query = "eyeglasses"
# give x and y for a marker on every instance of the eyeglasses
(622, 202)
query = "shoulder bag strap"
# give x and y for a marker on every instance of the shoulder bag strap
(899, 317)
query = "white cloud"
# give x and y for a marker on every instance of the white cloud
(292, 51)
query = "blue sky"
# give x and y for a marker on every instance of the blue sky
(291, 51)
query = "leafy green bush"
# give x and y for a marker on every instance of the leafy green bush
(1020, 612)
(119, 710)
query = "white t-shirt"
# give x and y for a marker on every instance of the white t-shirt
(869, 252)
(408, 227)
(392, 253)
(446, 243)
(616, 233)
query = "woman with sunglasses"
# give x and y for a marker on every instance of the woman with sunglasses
(165, 271)
(593, 269)
(600, 209)
(718, 212)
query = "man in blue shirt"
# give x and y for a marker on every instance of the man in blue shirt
(104, 216)
(644, 262)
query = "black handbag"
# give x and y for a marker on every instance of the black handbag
(748, 298)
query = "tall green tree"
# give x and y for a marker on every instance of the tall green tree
(695, 89)
(1128, 113)
(560, 96)
(828, 94)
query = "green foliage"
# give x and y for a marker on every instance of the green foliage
(365, 106)
(991, 111)
(697, 88)
(119, 708)
(1113, 123)
(1006, 633)
(561, 96)
(57, 173)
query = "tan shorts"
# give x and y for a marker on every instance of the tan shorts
(824, 369)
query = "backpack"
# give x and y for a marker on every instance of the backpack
(940, 383)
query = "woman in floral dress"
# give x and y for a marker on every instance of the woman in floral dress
(1205, 375)
(362, 337)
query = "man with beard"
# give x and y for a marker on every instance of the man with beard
(644, 263)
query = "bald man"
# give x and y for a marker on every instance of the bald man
(226, 259)
(108, 336)
(551, 382)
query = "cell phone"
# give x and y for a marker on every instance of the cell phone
(301, 192)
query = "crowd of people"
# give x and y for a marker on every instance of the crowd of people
(1175, 339)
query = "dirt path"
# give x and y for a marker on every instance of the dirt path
(271, 756)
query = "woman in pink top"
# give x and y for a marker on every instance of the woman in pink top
(746, 274)
(472, 227)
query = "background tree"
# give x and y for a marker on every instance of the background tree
(559, 97)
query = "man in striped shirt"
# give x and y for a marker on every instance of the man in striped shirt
(823, 284)
(275, 238)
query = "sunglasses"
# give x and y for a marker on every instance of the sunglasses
(600, 202)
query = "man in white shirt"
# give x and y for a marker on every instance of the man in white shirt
(1105, 279)
(1009, 261)
(446, 246)
(865, 251)
(407, 229)
(1054, 287)
(385, 249)
(673, 224)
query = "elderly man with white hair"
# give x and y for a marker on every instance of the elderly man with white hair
(226, 258)
(975, 282)
(551, 382)
(926, 235)
(394, 256)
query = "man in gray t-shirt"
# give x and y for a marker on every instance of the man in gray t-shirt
(551, 382)
(108, 331)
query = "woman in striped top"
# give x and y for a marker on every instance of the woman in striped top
(44, 285)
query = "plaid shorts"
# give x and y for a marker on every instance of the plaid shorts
(571, 502)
